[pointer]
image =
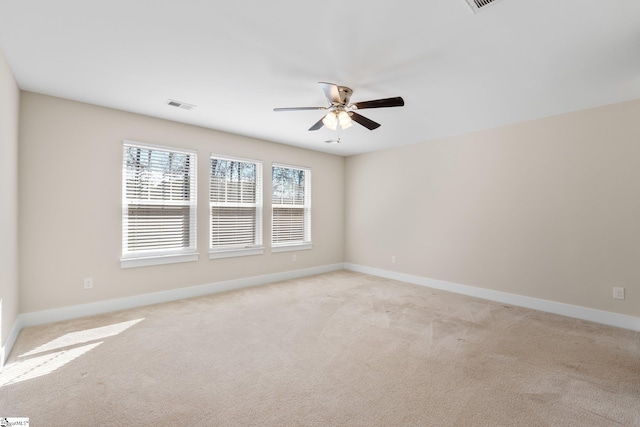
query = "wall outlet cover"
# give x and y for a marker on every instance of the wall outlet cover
(618, 293)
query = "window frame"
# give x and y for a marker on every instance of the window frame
(231, 251)
(306, 243)
(142, 258)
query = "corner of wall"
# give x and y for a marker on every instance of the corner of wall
(9, 291)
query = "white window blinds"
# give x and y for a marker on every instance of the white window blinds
(159, 201)
(235, 197)
(291, 205)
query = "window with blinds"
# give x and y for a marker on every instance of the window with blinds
(291, 208)
(235, 198)
(159, 205)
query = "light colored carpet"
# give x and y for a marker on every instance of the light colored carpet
(339, 349)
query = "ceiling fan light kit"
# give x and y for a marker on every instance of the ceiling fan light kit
(337, 119)
(344, 119)
(341, 114)
(330, 120)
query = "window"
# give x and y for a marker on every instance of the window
(291, 205)
(158, 206)
(235, 200)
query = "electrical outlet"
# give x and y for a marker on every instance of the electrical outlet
(88, 282)
(394, 260)
(294, 258)
(618, 293)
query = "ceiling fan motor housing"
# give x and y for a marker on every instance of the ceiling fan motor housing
(345, 94)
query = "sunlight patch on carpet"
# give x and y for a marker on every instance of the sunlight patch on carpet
(42, 365)
(80, 337)
(59, 352)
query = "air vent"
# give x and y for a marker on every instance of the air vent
(477, 5)
(179, 104)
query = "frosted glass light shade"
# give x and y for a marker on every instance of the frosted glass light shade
(344, 119)
(330, 120)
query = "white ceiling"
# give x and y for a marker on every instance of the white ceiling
(457, 71)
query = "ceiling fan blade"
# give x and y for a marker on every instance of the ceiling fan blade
(331, 92)
(380, 103)
(299, 108)
(318, 125)
(369, 124)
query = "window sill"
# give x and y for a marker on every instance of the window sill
(292, 247)
(157, 260)
(231, 253)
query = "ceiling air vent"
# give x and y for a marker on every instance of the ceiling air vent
(179, 104)
(477, 5)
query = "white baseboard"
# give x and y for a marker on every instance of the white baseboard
(72, 312)
(10, 341)
(583, 313)
(76, 311)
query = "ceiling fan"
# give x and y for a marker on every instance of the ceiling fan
(341, 113)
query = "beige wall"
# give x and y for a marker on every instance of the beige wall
(70, 204)
(548, 208)
(9, 107)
